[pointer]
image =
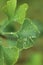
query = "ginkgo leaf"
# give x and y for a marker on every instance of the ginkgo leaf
(29, 29)
(21, 13)
(8, 55)
(27, 34)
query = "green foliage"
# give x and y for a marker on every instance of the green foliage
(27, 34)
(12, 42)
(8, 55)
(13, 14)
(10, 8)
(20, 13)
(29, 29)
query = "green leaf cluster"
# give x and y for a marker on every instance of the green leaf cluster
(16, 31)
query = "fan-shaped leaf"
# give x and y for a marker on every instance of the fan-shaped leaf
(27, 34)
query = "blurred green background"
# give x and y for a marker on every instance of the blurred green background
(34, 55)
